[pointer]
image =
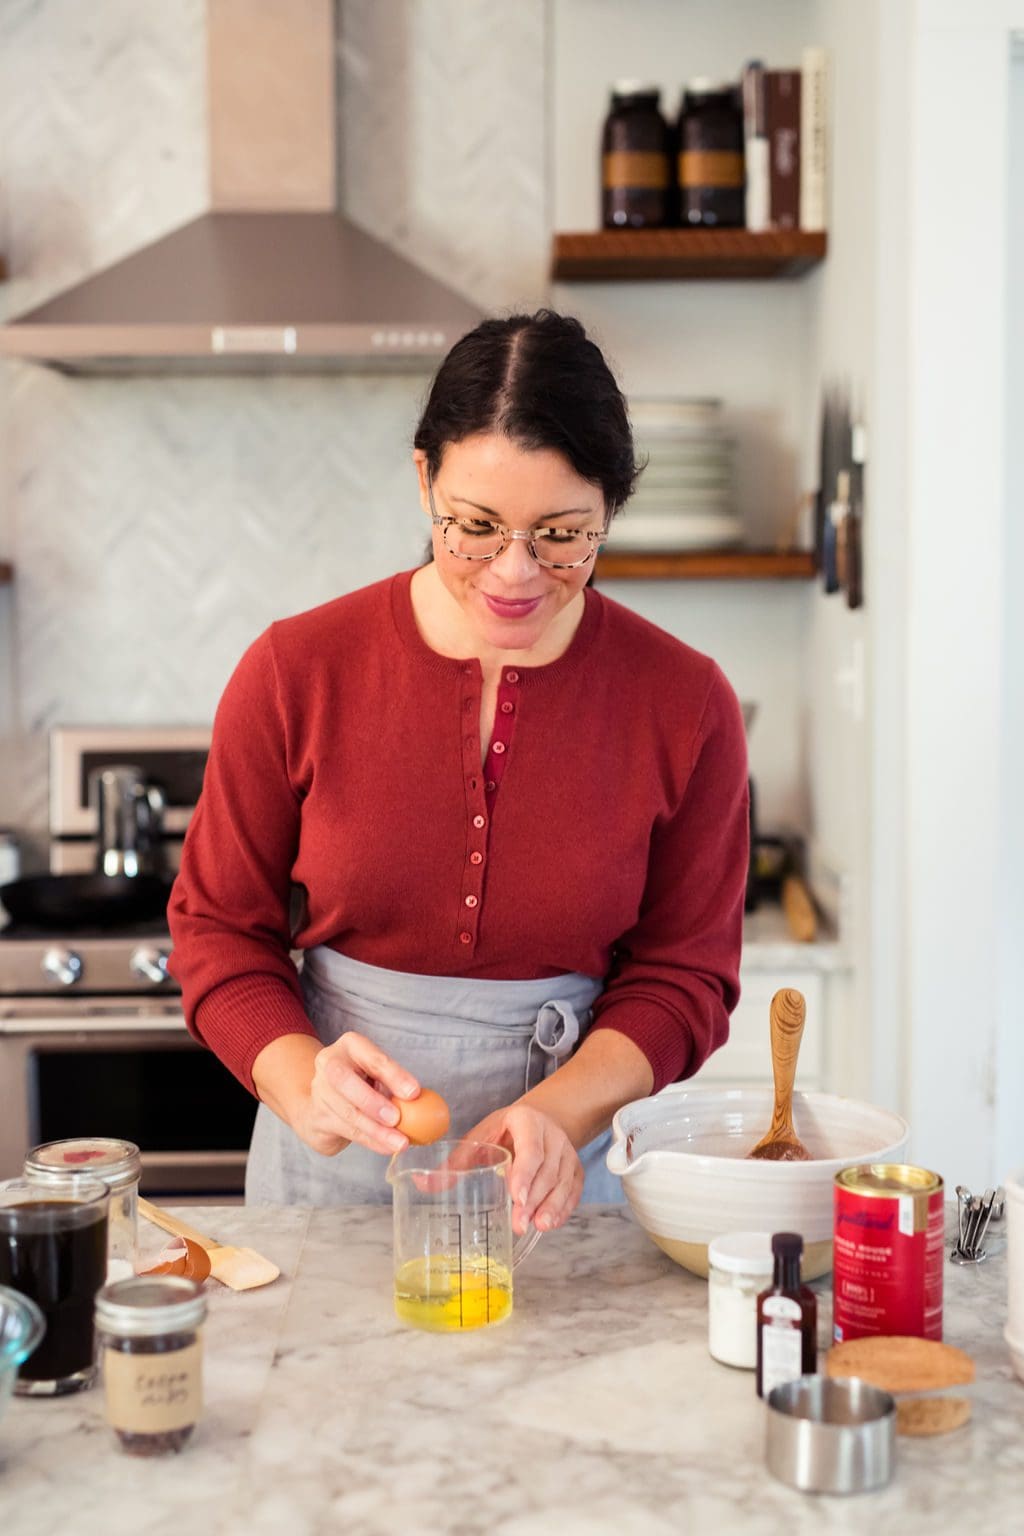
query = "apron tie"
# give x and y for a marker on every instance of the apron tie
(556, 1033)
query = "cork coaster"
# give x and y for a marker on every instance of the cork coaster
(931, 1415)
(898, 1363)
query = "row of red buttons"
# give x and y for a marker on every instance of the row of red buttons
(476, 857)
(506, 707)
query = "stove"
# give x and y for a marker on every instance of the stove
(93, 1041)
(129, 960)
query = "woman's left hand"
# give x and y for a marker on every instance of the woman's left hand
(546, 1176)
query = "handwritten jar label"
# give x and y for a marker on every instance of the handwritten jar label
(152, 1393)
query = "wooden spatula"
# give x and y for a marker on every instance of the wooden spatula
(240, 1268)
(780, 1144)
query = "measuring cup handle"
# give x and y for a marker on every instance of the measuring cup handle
(524, 1245)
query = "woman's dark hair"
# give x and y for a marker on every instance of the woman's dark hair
(541, 382)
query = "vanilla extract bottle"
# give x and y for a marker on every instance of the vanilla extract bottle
(787, 1319)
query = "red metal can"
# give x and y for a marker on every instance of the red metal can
(887, 1252)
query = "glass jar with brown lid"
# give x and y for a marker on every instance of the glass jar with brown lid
(710, 159)
(636, 159)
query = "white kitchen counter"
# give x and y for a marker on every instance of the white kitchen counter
(595, 1411)
(768, 945)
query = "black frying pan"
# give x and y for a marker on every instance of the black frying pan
(86, 900)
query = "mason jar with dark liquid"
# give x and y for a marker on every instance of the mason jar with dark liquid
(636, 160)
(53, 1249)
(710, 158)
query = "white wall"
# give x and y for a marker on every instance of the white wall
(842, 348)
(1009, 1061)
(917, 295)
(884, 1015)
(963, 1095)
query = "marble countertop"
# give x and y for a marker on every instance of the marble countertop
(768, 945)
(594, 1411)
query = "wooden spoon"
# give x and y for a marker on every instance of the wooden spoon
(240, 1268)
(780, 1143)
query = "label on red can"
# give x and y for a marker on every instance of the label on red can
(887, 1252)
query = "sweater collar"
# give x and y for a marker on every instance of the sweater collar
(568, 662)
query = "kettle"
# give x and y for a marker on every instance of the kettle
(129, 819)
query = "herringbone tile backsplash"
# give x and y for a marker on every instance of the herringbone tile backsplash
(157, 525)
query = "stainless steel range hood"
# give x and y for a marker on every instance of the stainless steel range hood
(273, 278)
(248, 292)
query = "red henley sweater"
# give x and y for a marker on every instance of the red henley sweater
(346, 761)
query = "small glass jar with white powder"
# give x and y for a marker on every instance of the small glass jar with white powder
(119, 1165)
(739, 1268)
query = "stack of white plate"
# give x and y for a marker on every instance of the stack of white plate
(685, 498)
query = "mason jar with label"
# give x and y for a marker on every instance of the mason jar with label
(710, 159)
(739, 1266)
(636, 160)
(151, 1345)
(787, 1319)
(119, 1165)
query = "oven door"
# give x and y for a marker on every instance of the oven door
(129, 1068)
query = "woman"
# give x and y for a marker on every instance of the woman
(516, 814)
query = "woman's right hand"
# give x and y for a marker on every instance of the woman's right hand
(349, 1098)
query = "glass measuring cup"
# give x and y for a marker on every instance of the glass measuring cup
(453, 1248)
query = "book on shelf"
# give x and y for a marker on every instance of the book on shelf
(813, 94)
(795, 105)
(756, 149)
(782, 120)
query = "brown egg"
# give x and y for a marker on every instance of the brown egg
(181, 1257)
(423, 1119)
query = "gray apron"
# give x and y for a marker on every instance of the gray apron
(480, 1044)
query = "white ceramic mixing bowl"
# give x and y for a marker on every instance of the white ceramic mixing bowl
(682, 1158)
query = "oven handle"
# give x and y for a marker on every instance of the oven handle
(211, 1160)
(191, 1176)
(95, 1024)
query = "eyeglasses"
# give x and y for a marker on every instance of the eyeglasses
(478, 538)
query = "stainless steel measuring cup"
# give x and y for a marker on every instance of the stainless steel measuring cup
(453, 1247)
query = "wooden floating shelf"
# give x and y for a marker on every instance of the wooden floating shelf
(665, 255)
(707, 565)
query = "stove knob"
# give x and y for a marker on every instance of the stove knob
(148, 963)
(62, 966)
